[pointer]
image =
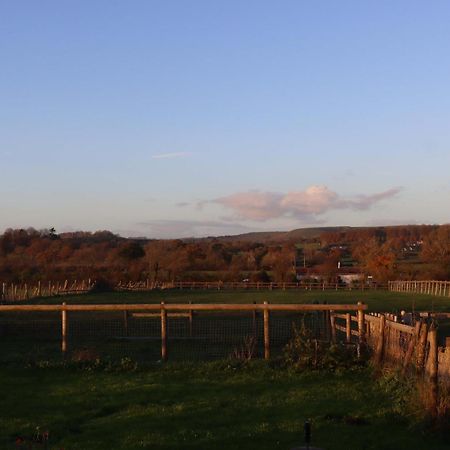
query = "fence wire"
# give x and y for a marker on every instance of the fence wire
(33, 337)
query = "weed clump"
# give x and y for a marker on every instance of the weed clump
(305, 352)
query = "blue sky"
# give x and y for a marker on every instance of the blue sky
(174, 118)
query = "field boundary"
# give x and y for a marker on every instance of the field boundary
(187, 310)
(27, 291)
(148, 285)
(430, 287)
(411, 348)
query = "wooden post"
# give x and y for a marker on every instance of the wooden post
(348, 328)
(266, 333)
(163, 332)
(125, 322)
(433, 369)
(361, 331)
(421, 349)
(254, 321)
(411, 346)
(380, 343)
(333, 327)
(191, 321)
(64, 330)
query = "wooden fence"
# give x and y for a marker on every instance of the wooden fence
(18, 292)
(431, 287)
(167, 311)
(411, 348)
(244, 285)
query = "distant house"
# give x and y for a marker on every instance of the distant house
(350, 278)
(345, 275)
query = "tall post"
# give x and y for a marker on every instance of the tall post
(333, 327)
(64, 329)
(191, 321)
(254, 321)
(421, 350)
(163, 332)
(433, 369)
(348, 328)
(266, 333)
(380, 344)
(125, 322)
(411, 346)
(361, 330)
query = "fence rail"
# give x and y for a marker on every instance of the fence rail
(430, 287)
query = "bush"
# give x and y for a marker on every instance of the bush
(304, 352)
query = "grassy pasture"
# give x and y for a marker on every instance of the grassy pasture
(215, 405)
(379, 300)
(207, 406)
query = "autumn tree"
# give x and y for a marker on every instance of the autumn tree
(376, 259)
(436, 250)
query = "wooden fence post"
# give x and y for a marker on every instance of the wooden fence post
(411, 346)
(348, 328)
(361, 331)
(191, 321)
(380, 344)
(266, 333)
(333, 327)
(421, 349)
(254, 321)
(163, 332)
(433, 369)
(125, 322)
(64, 329)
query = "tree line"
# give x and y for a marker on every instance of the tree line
(415, 252)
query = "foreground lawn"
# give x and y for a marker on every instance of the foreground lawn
(206, 406)
(380, 301)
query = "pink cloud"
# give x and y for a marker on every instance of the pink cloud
(315, 200)
(254, 205)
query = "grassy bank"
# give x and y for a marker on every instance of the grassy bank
(206, 406)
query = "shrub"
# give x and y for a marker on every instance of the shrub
(304, 351)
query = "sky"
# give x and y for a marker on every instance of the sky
(192, 118)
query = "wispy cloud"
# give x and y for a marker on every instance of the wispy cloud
(171, 155)
(306, 205)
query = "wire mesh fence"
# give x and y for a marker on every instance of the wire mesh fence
(175, 332)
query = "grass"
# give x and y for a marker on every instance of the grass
(216, 405)
(377, 300)
(206, 406)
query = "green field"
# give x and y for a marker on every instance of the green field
(208, 406)
(377, 300)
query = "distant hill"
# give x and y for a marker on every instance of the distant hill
(275, 236)
(302, 233)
